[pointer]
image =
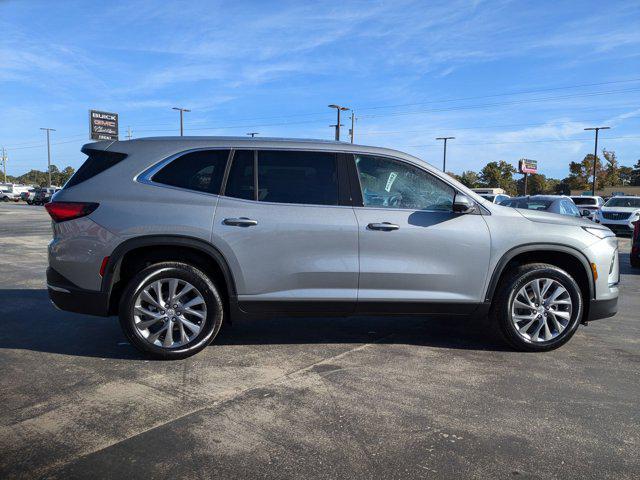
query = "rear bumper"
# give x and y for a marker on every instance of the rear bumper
(599, 309)
(69, 297)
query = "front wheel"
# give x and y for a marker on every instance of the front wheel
(538, 307)
(171, 310)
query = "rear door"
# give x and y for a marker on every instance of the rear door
(286, 228)
(416, 254)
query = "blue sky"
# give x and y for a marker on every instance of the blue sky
(507, 79)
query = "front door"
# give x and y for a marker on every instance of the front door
(416, 254)
(291, 245)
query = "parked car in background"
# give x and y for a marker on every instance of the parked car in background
(634, 257)
(545, 203)
(44, 195)
(590, 203)
(29, 195)
(619, 213)
(12, 191)
(174, 235)
(494, 195)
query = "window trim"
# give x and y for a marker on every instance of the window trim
(145, 177)
(355, 179)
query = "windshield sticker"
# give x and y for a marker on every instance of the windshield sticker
(390, 180)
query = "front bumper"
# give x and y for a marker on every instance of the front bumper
(599, 309)
(623, 228)
(69, 297)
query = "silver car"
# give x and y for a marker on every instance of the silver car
(178, 235)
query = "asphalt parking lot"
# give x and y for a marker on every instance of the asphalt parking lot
(306, 398)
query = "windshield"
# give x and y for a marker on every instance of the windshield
(529, 204)
(623, 202)
(584, 201)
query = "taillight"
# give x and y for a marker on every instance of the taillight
(63, 211)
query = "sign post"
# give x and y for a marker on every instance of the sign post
(103, 125)
(527, 166)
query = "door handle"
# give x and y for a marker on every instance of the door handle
(240, 222)
(384, 226)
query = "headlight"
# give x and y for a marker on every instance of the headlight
(599, 232)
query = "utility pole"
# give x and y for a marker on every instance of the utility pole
(253, 134)
(181, 110)
(352, 131)
(595, 157)
(444, 158)
(129, 135)
(4, 163)
(48, 130)
(338, 125)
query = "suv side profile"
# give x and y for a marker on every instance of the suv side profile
(178, 235)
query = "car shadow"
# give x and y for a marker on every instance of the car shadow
(625, 265)
(30, 322)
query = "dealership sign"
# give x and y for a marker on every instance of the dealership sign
(528, 166)
(103, 125)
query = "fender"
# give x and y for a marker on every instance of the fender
(538, 247)
(115, 259)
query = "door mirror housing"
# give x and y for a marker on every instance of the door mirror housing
(462, 204)
(585, 212)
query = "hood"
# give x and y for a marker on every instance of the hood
(555, 218)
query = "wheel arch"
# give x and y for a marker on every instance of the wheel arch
(562, 256)
(165, 247)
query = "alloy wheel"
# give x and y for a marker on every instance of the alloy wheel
(541, 310)
(169, 313)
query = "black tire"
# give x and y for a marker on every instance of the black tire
(635, 262)
(29, 202)
(508, 288)
(182, 271)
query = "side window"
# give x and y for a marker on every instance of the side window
(298, 177)
(393, 184)
(240, 181)
(201, 171)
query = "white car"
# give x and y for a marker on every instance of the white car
(619, 213)
(500, 197)
(590, 203)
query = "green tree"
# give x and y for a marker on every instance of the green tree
(499, 175)
(626, 175)
(635, 174)
(470, 179)
(611, 169)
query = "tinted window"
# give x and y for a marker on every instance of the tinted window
(201, 171)
(298, 177)
(623, 202)
(393, 184)
(97, 162)
(533, 204)
(584, 201)
(240, 181)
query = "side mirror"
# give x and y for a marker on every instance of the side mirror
(462, 203)
(585, 212)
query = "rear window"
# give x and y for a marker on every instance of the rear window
(584, 201)
(527, 204)
(97, 162)
(201, 171)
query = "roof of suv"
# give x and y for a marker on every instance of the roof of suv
(245, 142)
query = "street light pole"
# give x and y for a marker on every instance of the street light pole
(4, 163)
(595, 157)
(338, 109)
(352, 132)
(49, 152)
(181, 110)
(444, 158)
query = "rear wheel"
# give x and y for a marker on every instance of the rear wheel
(538, 307)
(171, 310)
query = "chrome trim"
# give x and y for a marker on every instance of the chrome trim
(57, 289)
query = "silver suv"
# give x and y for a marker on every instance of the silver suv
(178, 235)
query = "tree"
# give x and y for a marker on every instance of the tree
(499, 175)
(469, 179)
(635, 174)
(611, 170)
(626, 175)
